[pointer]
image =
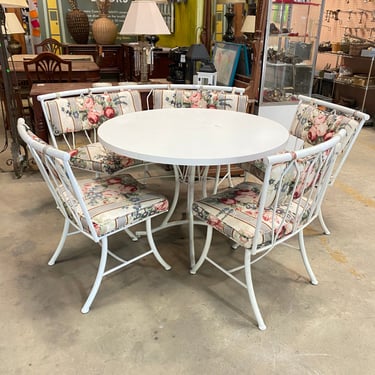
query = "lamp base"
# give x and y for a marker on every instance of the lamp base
(229, 34)
(14, 47)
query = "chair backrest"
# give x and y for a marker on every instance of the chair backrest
(50, 45)
(316, 121)
(195, 96)
(293, 189)
(70, 112)
(48, 67)
(57, 173)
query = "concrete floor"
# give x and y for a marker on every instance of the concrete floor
(149, 321)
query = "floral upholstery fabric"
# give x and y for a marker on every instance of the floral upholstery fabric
(87, 112)
(199, 99)
(315, 125)
(312, 125)
(114, 202)
(94, 157)
(234, 213)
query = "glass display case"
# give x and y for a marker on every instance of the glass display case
(290, 50)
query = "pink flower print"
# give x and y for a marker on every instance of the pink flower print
(109, 112)
(162, 206)
(312, 134)
(215, 222)
(125, 162)
(113, 180)
(88, 102)
(128, 189)
(93, 118)
(73, 153)
(228, 201)
(329, 135)
(245, 196)
(195, 100)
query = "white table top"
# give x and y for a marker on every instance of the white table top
(192, 137)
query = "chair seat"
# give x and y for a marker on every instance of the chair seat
(116, 202)
(95, 158)
(234, 212)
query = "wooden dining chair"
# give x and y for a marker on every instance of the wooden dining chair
(47, 67)
(49, 45)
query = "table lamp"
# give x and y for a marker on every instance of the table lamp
(144, 18)
(229, 15)
(13, 26)
(248, 26)
(195, 54)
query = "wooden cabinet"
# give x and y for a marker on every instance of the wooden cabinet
(160, 66)
(108, 57)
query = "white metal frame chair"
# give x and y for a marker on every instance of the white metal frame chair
(260, 216)
(70, 113)
(316, 120)
(227, 98)
(96, 208)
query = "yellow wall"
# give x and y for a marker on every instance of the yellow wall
(188, 18)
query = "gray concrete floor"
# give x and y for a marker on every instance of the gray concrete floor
(149, 321)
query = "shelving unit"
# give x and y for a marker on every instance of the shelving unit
(289, 56)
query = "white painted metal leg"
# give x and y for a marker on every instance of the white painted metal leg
(322, 223)
(175, 196)
(205, 250)
(60, 246)
(99, 276)
(309, 270)
(153, 246)
(132, 236)
(250, 290)
(189, 212)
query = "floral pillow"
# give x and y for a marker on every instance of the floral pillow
(315, 125)
(199, 99)
(85, 112)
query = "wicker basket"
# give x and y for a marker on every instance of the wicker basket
(78, 25)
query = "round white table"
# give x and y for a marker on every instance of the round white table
(192, 137)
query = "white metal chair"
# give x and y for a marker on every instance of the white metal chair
(260, 216)
(315, 121)
(96, 208)
(203, 96)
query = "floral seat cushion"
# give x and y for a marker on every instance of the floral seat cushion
(213, 99)
(234, 213)
(115, 202)
(94, 157)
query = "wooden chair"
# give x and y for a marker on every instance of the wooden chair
(47, 67)
(260, 216)
(96, 208)
(49, 45)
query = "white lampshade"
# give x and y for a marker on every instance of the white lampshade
(144, 18)
(14, 3)
(12, 25)
(249, 25)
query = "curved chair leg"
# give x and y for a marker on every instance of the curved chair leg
(176, 194)
(205, 250)
(60, 246)
(99, 277)
(132, 236)
(323, 224)
(309, 270)
(250, 290)
(153, 247)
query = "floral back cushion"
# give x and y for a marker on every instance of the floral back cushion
(85, 112)
(315, 125)
(199, 99)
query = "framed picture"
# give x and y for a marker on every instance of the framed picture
(225, 58)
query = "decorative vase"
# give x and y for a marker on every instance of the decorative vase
(77, 23)
(104, 30)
